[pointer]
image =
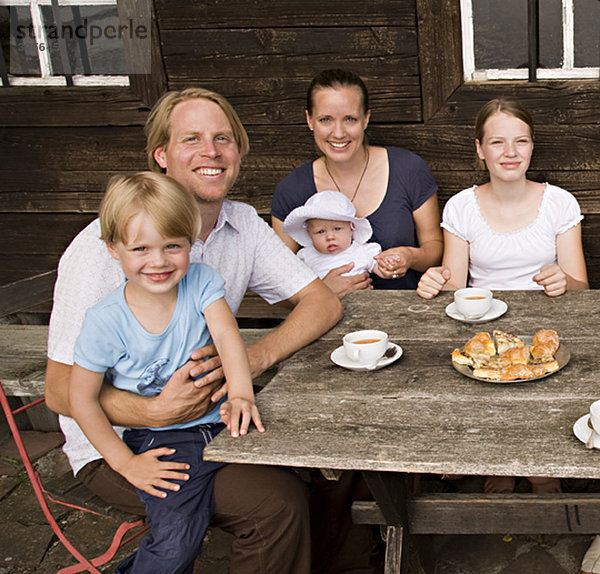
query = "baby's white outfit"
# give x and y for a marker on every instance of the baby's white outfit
(361, 254)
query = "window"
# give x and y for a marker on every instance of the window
(499, 44)
(45, 42)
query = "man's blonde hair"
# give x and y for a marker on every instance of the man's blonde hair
(171, 208)
(158, 124)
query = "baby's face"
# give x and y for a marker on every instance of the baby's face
(329, 236)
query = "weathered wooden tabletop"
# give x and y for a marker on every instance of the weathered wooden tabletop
(421, 415)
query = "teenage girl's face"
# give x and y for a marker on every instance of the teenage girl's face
(328, 236)
(338, 122)
(152, 263)
(506, 147)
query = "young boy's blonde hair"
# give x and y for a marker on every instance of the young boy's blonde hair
(171, 208)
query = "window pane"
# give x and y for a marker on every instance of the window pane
(551, 35)
(98, 29)
(20, 43)
(500, 32)
(587, 33)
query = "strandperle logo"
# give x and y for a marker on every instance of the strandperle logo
(88, 40)
(83, 31)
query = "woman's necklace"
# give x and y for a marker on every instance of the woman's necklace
(359, 181)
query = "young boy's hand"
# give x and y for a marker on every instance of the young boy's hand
(233, 409)
(146, 472)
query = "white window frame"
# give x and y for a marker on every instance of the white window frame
(47, 78)
(567, 71)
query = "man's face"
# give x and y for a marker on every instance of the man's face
(202, 154)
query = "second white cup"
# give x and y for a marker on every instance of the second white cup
(365, 347)
(473, 302)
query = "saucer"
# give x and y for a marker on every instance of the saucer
(582, 430)
(340, 358)
(497, 309)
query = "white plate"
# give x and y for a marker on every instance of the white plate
(582, 430)
(340, 358)
(497, 309)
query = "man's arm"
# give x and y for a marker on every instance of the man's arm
(179, 401)
(316, 310)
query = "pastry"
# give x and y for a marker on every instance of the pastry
(545, 344)
(505, 341)
(514, 356)
(480, 348)
(506, 357)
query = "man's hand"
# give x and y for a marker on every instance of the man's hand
(183, 399)
(343, 285)
(553, 279)
(146, 472)
(432, 281)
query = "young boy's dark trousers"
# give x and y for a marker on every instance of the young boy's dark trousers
(179, 521)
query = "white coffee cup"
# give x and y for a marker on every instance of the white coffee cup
(365, 347)
(473, 302)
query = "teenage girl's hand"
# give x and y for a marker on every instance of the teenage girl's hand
(433, 281)
(146, 472)
(233, 410)
(553, 279)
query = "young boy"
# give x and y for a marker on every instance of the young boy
(331, 235)
(137, 337)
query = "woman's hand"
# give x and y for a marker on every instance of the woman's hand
(553, 279)
(148, 473)
(237, 413)
(433, 281)
(343, 285)
(393, 263)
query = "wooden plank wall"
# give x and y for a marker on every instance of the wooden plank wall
(59, 146)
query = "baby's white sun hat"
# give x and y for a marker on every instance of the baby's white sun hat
(325, 205)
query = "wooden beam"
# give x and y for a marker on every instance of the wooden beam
(21, 295)
(459, 513)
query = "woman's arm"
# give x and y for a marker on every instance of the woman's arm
(453, 272)
(277, 226)
(400, 259)
(570, 271)
(232, 350)
(570, 257)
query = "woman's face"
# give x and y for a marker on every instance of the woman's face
(506, 146)
(338, 121)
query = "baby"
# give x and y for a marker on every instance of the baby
(331, 235)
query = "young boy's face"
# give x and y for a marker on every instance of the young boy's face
(329, 236)
(151, 262)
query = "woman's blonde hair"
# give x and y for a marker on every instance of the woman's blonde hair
(158, 124)
(171, 208)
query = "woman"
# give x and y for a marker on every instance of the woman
(509, 233)
(392, 187)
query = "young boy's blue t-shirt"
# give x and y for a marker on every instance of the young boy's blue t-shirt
(113, 341)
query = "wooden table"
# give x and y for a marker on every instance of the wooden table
(419, 415)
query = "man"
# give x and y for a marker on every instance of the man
(196, 137)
